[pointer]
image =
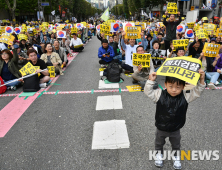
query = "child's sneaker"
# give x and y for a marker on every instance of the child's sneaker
(177, 164)
(159, 160)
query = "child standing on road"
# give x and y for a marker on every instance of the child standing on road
(171, 110)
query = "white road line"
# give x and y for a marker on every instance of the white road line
(111, 134)
(109, 102)
(102, 85)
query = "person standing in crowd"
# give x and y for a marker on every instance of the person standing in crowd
(171, 27)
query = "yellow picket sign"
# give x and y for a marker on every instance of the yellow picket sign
(132, 32)
(7, 38)
(22, 37)
(134, 88)
(201, 33)
(27, 69)
(51, 70)
(180, 43)
(190, 25)
(211, 50)
(156, 32)
(172, 8)
(104, 29)
(209, 27)
(183, 68)
(110, 21)
(24, 28)
(84, 24)
(74, 30)
(141, 59)
(36, 68)
(219, 32)
(78, 46)
(196, 27)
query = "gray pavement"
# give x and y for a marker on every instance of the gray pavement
(55, 132)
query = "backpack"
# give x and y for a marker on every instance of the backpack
(113, 72)
(31, 84)
(3, 88)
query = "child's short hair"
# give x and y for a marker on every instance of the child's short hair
(174, 80)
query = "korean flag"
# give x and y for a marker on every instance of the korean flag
(180, 28)
(189, 33)
(61, 34)
(114, 27)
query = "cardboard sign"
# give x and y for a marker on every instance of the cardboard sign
(7, 38)
(24, 28)
(183, 68)
(78, 46)
(211, 50)
(180, 43)
(190, 25)
(22, 37)
(104, 29)
(110, 21)
(51, 70)
(132, 32)
(209, 27)
(134, 88)
(201, 33)
(27, 69)
(142, 24)
(172, 8)
(141, 59)
(196, 27)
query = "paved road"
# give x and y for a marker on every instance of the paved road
(55, 132)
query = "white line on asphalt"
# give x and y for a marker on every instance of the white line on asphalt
(111, 134)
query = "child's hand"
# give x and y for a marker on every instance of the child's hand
(152, 76)
(202, 76)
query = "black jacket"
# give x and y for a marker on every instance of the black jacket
(171, 112)
(171, 33)
(193, 52)
(115, 47)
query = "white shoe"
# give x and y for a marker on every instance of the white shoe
(211, 86)
(177, 164)
(43, 85)
(159, 160)
(217, 83)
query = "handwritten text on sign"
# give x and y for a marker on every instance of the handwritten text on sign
(104, 29)
(133, 32)
(141, 59)
(180, 43)
(211, 50)
(183, 68)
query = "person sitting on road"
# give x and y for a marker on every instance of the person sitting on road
(52, 59)
(35, 61)
(106, 53)
(61, 51)
(22, 56)
(65, 44)
(76, 42)
(9, 68)
(115, 48)
(141, 74)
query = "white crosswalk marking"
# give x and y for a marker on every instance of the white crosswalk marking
(109, 102)
(110, 134)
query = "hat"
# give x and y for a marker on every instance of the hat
(213, 39)
(16, 46)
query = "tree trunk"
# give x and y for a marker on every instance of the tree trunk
(11, 9)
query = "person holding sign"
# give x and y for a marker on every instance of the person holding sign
(208, 64)
(195, 48)
(141, 74)
(35, 61)
(76, 43)
(9, 69)
(171, 27)
(52, 59)
(171, 109)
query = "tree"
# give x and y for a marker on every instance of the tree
(9, 5)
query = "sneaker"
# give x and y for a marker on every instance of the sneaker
(217, 83)
(9, 88)
(212, 86)
(177, 164)
(13, 88)
(159, 160)
(103, 66)
(43, 85)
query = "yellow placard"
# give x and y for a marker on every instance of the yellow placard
(133, 32)
(84, 24)
(183, 68)
(201, 33)
(74, 30)
(196, 27)
(219, 32)
(78, 46)
(104, 29)
(209, 27)
(24, 28)
(51, 70)
(172, 8)
(164, 16)
(110, 21)
(180, 43)
(27, 69)
(7, 38)
(190, 25)
(211, 50)
(134, 88)
(142, 24)
(156, 32)
(36, 68)
(22, 37)
(141, 59)
(192, 8)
